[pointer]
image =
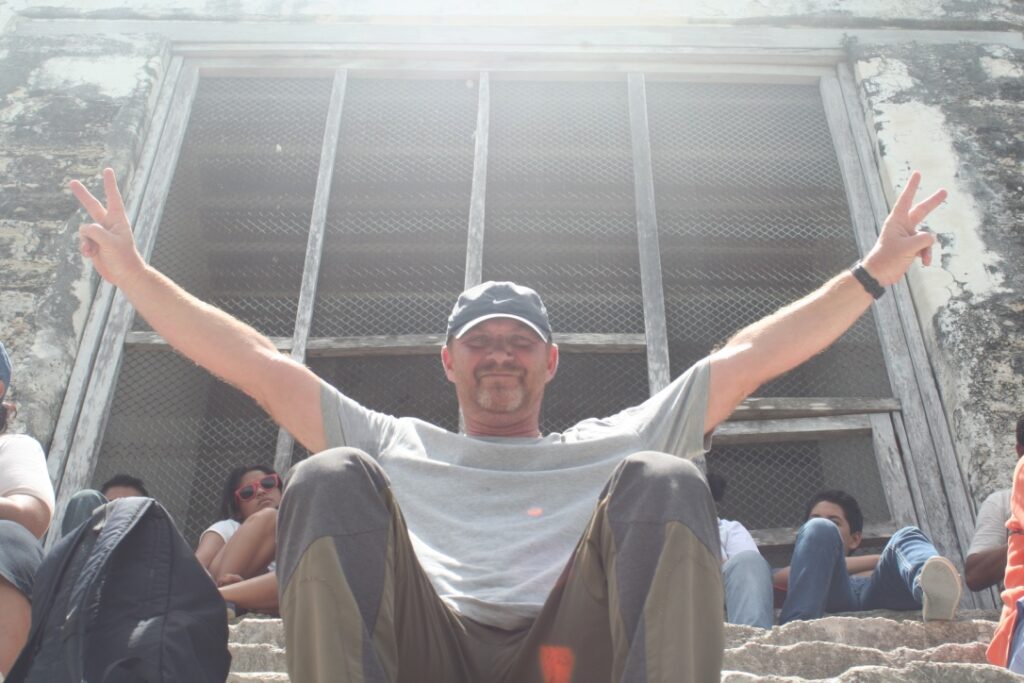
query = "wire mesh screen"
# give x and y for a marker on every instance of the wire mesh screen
(403, 386)
(769, 484)
(593, 385)
(181, 430)
(752, 215)
(235, 224)
(560, 209)
(395, 245)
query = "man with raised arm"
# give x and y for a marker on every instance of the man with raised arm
(408, 553)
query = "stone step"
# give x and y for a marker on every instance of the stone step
(871, 647)
(918, 672)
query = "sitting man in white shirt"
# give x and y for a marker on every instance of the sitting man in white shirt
(746, 575)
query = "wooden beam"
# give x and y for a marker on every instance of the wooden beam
(623, 32)
(779, 408)
(74, 395)
(796, 429)
(88, 437)
(891, 472)
(143, 339)
(753, 67)
(418, 344)
(478, 194)
(314, 248)
(658, 373)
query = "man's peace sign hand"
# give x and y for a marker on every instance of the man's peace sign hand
(108, 242)
(900, 240)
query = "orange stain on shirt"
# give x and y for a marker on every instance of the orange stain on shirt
(535, 512)
(556, 663)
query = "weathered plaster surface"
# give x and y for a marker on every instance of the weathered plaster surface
(67, 108)
(679, 11)
(6, 14)
(957, 114)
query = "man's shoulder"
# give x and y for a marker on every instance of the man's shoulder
(997, 502)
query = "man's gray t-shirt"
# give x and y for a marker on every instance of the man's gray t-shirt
(494, 520)
(990, 530)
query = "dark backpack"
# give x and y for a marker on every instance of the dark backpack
(122, 599)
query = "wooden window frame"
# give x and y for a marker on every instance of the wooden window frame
(916, 448)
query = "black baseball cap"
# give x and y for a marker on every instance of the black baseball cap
(499, 300)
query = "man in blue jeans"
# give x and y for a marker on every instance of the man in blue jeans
(824, 576)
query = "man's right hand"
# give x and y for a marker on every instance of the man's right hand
(209, 337)
(108, 242)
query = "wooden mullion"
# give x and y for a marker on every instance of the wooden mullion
(891, 472)
(84, 448)
(910, 374)
(477, 204)
(417, 344)
(647, 235)
(99, 310)
(796, 429)
(314, 247)
(779, 408)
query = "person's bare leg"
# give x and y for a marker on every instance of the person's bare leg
(250, 549)
(15, 620)
(258, 594)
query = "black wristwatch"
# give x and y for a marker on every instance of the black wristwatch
(867, 280)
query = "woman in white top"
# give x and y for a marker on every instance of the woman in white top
(242, 545)
(26, 506)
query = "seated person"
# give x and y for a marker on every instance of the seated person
(745, 573)
(242, 545)
(1007, 647)
(825, 577)
(986, 558)
(81, 505)
(26, 505)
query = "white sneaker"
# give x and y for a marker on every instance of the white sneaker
(940, 588)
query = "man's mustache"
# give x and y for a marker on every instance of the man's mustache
(509, 368)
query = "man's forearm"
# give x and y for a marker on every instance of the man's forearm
(801, 330)
(985, 568)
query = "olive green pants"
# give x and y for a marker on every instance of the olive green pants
(640, 600)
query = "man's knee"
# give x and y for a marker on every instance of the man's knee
(347, 467)
(338, 491)
(660, 474)
(819, 531)
(657, 487)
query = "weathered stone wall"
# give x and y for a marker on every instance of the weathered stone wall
(957, 112)
(67, 108)
(918, 13)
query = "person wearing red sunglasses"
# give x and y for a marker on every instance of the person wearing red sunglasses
(242, 545)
